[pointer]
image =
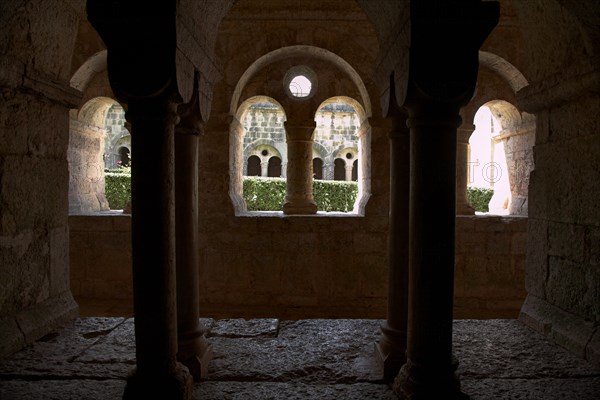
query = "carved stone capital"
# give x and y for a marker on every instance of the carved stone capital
(302, 132)
(444, 54)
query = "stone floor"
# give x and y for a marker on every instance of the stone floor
(306, 359)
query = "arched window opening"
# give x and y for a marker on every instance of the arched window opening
(89, 134)
(274, 170)
(339, 170)
(258, 131)
(500, 158)
(124, 156)
(341, 137)
(317, 168)
(118, 139)
(254, 166)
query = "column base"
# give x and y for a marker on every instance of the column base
(177, 386)
(390, 352)
(195, 354)
(464, 209)
(420, 383)
(299, 208)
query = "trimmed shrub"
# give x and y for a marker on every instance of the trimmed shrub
(268, 194)
(335, 195)
(479, 198)
(117, 189)
(264, 194)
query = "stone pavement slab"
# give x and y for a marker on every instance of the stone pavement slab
(307, 359)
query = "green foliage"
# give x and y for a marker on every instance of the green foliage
(117, 189)
(268, 194)
(479, 198)
(264, 194)
(335, 195)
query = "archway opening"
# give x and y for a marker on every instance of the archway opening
(499, 164)
(341, 134)
(259, 156)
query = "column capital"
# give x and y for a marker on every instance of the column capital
(464, 132)
(190, 115)
(453, 32)
(302, 132)
(161, 109)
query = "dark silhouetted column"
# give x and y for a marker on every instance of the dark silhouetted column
(451, 31)
(158, 373)
(391, 348)
(194, 351)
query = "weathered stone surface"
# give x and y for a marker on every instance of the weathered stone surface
(57, 353)
(561, 388)
(507, 349)
(319, 351)
(297, 391)
(306, 359)
(242, 328)
(108, 389)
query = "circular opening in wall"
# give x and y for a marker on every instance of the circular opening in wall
(300, 86)
(349, 156)
(264, 153)
(300, 82)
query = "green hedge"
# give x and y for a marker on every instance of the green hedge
(268, 194)
(335, 195)
(117, 189)
(264, 194)
(479, 198)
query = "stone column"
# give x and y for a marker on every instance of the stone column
(452, 31)
(299, 194)
(462, 168)
(429, 363)
(348, 172)
(264, 168)
(194, 350)
(158, 373)
(391, 348)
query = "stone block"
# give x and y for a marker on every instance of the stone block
(121, 223)
(59, 260)
(536, 272)
(472, 243)
(11, 336)
(518, 243)
(465, 223)
(90, 223)
(490, 224)
(370, 242)
(373, 275)
(566, 283)
(566, 241)
(242, 328)
(593, 245)
(498, 243)
(592, 350)
(46, 316)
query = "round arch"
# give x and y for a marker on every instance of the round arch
(294, 51)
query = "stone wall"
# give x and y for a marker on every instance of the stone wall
(564, 252)
(562, 273)
(100, 254)
(292, 267)
(34, 124)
